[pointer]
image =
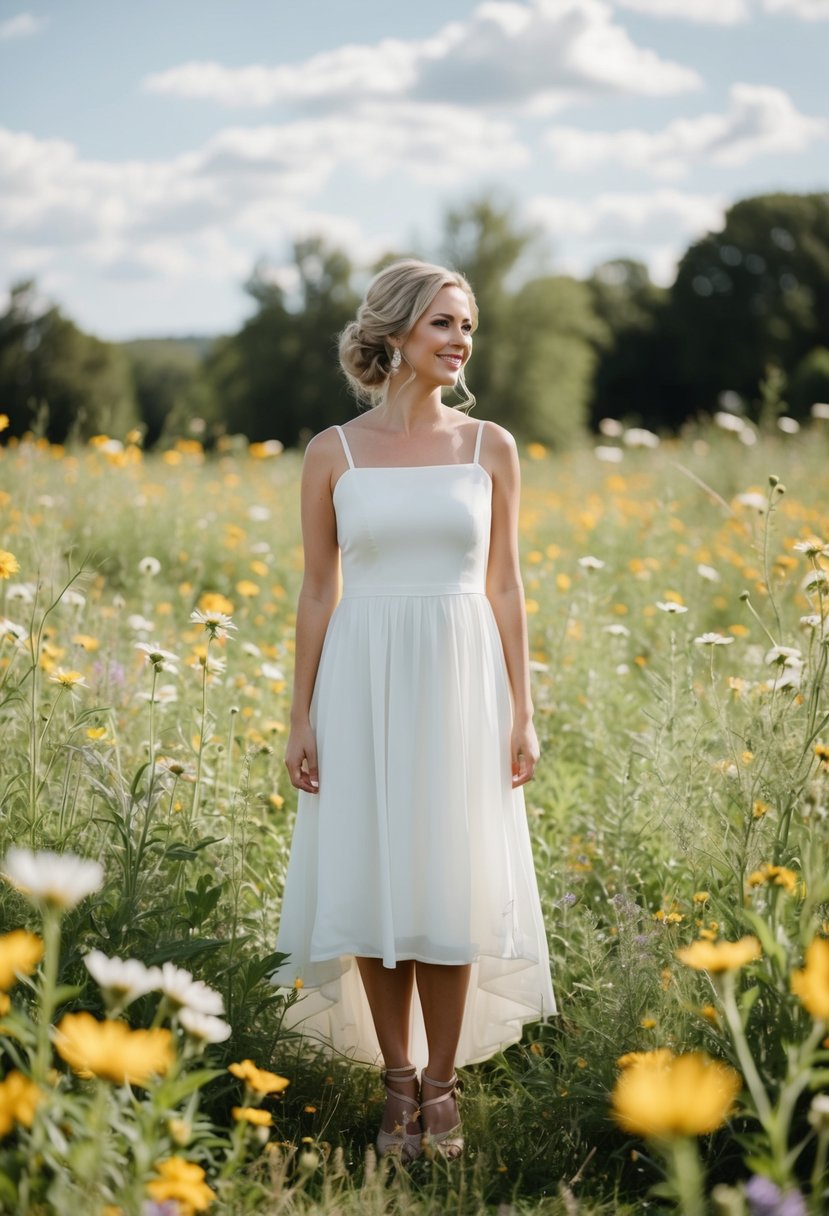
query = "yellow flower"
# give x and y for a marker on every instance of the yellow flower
(112, 1050)
(811, 984)
(9, 564)
(214, 601)
(4, 422)
(86, 641)
(647, 1023)
(759, 809)
(20, 953)
(247, 589)
(182, 1181)
(67, 679)
(662, 1095)
(18, 1098)
(259, 1080)
(250, 1114)
(775, 876)
(536, 451)
(719, 956)
(702, 897)
(96, 732)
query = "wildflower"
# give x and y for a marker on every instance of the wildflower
(4, 422)
(811, 984)
(181, 989)
(759, 809)
(272, 672)
(775, 876)
(204, 1027)
(728, 422)
(149, 566)
(121, 980)
(670, 606)
(591, 563)
(247, 588)
(96, 732)
(611, 428)
(257, 1079)
(663, 1095)
(820, 409)
(709, 1012)
(816, 581)
(112, 1050)
(765, 1198)
(753, 499)
(217, 624)
(638, 437)
(181, 1181)
(251, 1114)
(55, 878)
(812, 547)
(702, 897)
(68, 679)
(719, 956)
(267, 448)
(214, 601)
(708, 572)
(9, 629)
(536, 451)
(9, 564)
(162, 660)
(712, 639)
(608, 455)
(784, 656)
(647, 1023)
(140, 624)
(18, 1099)
(86, 642)
(20, 953)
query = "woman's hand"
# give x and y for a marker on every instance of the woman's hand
(525, 753)
(301, 759)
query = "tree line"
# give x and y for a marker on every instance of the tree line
(553, 354)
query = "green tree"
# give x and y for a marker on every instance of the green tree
(754, 294)
(278, 378)
(809, 382)
(534, 355)
(56, 379)
(171, 388)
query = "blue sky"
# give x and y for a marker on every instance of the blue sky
(151, 153)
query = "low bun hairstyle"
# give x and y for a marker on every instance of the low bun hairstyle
(395, 299)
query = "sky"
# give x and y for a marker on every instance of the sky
(152, 153)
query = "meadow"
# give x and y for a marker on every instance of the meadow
(678, 604)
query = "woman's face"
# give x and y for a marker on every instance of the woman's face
(441, 341)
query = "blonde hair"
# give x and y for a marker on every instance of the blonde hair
(395, 300)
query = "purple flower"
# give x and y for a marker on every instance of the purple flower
(766, 1199)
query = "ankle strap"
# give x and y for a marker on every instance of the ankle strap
(401, 1074)
(453, 1080)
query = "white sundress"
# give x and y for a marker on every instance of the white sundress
(416, 845)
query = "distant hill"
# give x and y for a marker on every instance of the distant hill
(186, 352)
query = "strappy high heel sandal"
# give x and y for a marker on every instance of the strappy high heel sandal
(400, 1142)
(449, 1143)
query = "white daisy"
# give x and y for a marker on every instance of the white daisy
(271, 672)
(204, 1027)
(181, 989)
(61, 879)
(670, 606)
(149, 566)
(789, 426)
(713, 639)
(812, 547)
(784, 656)
(611, 427)
(218, 624)
(591, 563)
(816, 580)
(708, 572)
(125, 979)
(728, 422)
(638, 437)
(753, 499)
(259, 515)
(820, 409)
(162, 660)
(140, 624)
(608, 455)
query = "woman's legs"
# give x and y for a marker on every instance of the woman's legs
(389, 991)
(442, 991)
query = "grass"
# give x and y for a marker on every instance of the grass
(675, 772)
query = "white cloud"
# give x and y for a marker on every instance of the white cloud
(539, 55)
(254, 184)
(21, 26)
(760, 120)
(807, 10)
(706, 12)
(657, 224)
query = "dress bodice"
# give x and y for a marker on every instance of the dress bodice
(416, 530)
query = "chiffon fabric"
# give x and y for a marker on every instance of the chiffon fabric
(416, 845)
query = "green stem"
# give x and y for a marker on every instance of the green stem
(686, 1175)
(48, 988)
(197, 789)
(750, 1073)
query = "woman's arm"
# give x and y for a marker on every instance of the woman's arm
(317, 599)
(505, 592)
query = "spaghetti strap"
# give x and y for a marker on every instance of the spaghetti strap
(346, 448)
(478, 441)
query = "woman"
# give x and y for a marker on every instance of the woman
(412, 723)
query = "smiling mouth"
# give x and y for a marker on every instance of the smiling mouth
(454, 361)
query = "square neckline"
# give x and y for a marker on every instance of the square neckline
(408, 468)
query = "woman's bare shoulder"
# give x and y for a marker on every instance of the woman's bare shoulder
(498, 441)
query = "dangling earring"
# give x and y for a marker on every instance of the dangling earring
(396, 360)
